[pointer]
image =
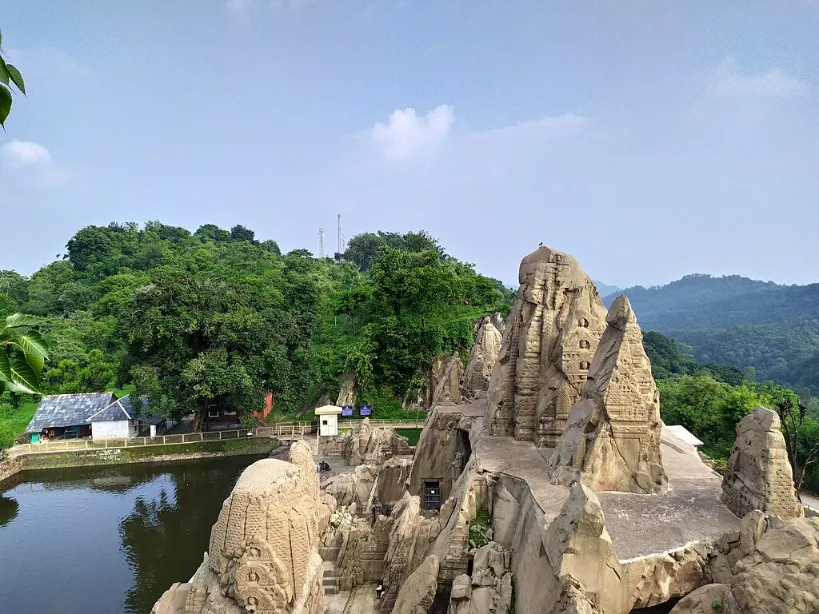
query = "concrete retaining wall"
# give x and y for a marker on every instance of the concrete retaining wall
(142, 454)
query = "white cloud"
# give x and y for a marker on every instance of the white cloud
(25, 153)
(773, 83)
(407, 135)
(543, 126)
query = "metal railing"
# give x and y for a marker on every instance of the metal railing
(290, 431)
(393, 424)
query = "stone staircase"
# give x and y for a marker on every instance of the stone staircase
(330, 579)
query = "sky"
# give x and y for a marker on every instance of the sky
(649, 139)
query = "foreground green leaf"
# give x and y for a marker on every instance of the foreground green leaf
(5, 104)
(23, 377)
(33, 344)
(5, 365)
(4, 73)
(16, 77)
(21, 319)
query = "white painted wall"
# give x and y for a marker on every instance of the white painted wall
(116, 428)
(331, 428)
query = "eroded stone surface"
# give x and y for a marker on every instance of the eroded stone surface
(612, 438)
(353, 487)
(489, 590)
(483, 356)
(418, 592)
(448, 389)
(759, 475)
(365, 444)
(547, 349)
(346, 394)
(263, 554)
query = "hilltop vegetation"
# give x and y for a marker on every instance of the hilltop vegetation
(216, 318)
(770, 328)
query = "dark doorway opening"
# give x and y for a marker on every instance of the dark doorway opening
(432, 495)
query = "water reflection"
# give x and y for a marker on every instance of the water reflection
(8, 510)
(141, 527)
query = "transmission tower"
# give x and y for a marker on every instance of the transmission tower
(321, 242)
(341, 249)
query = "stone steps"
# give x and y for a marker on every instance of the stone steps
(329, 553)
(330, 580)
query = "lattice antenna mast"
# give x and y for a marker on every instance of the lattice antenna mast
(321, 242)
(341, 249)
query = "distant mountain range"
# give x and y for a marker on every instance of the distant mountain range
(605, 289)
(738, 321)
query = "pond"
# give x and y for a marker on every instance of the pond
(107, 539)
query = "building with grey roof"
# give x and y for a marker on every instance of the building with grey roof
(99, 415)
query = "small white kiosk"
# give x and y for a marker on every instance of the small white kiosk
(328, 420)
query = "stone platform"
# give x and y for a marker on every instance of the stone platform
(639, 525)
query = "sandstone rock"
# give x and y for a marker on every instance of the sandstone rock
(612, 439)
(393, 478)
(498, 322)
(418, 592)
(354, 487)
(365, 444)
(441, 453)
(702, 600)
(346, 394)
(577, 544)
(263, 548)
(461, 588)
(448, 390)
(552, 336)
(482, 358)
(759, 475)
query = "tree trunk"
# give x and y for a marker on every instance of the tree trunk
(200, 416)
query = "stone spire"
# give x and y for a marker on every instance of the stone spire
(612, 438)
(550, 340)
(483, 357)
(759, 475)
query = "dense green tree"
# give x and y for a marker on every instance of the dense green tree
(240, 233)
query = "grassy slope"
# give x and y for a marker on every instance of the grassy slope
(18, 420)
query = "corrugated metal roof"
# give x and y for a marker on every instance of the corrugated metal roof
(61, 410)
(123, 409)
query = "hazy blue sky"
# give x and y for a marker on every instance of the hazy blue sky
(649, 139)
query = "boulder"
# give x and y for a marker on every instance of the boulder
(418, 592)
(448, 389)
(759, 475)
(393, 477)
(703, 600)
(482, 357)
(365, 444)
(612, 437)
(352, 487)
(552, 336)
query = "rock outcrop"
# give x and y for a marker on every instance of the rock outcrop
(263, 554)
(441, 454)
(489, 590)
(771, 567)
(393, 479)
(759, 475)
(612, 438)
(365, 444)
(482, 358)
(418, 592)
(448, 390)
(552, 335)
(353, 487)
(346, 394)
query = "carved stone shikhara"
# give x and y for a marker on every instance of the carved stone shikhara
(612, 439)
(263, 556)
(547, 349)
(759, 475)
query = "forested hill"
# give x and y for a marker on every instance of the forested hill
(739, 321)
(193, 320)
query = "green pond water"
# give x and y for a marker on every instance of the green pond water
(107, 540)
